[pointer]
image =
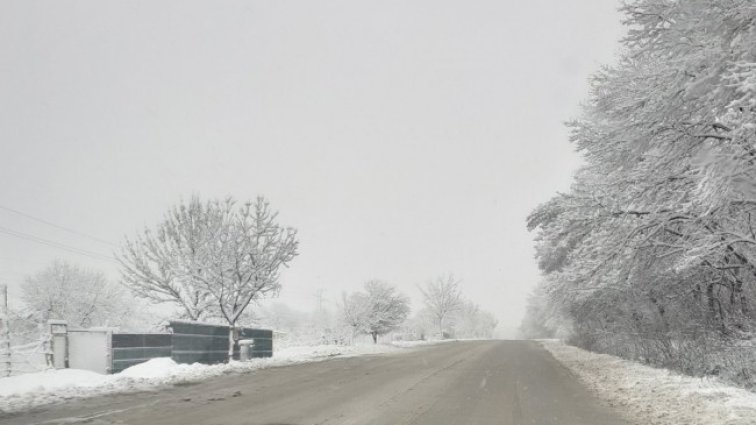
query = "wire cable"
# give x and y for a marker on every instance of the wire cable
(67, 229)
(53, 244)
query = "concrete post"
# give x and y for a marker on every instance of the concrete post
(246, 349)
(109, 352)
(59, 332)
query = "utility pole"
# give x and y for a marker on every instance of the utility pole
(5, 342)
(319, 299)
(320, 317)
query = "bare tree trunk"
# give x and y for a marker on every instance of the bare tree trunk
(231, 341)
(741, 298)
(710, 300)
(375, 337)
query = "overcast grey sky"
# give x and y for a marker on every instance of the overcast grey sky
(404, 139)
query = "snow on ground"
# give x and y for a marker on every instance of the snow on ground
(412, 344)
(34, 389)
(650, 396)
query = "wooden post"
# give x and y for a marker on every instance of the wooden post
(5, 342)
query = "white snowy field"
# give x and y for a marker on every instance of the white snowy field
(34, 389)
(650, 396)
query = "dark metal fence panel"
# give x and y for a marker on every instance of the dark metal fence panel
(189, 342)
(204, 343)
(131, 349)
(263, 338)
(199, 343)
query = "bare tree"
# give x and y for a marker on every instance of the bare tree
(442, 297)
(211, 259)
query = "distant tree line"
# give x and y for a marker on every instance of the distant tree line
(445, 313)
(652, 252)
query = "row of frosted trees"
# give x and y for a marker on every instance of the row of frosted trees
(379, 309)
(652, 252)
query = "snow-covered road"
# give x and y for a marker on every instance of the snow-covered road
(458, 382)
(471, 382)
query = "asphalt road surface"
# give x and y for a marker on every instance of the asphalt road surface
(456, 383)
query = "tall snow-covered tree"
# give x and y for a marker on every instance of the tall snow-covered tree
(212, 259)
(250, 251)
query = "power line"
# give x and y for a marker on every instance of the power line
(53, 244)
(67, 229)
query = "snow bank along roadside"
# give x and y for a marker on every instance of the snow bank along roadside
(34, 389)
(649, 396)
